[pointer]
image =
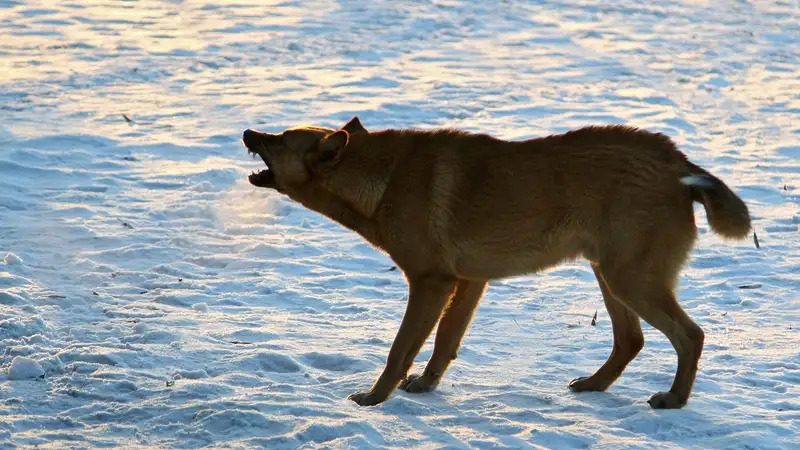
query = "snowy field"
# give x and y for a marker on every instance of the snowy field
(154, 299)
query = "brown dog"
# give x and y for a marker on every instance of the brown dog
(455, 210)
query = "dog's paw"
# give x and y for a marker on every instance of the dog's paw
(368, 398)
(416, 384)
(585, 384)
(665, 400)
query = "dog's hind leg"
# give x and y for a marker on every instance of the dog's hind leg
(452, 328)
(650, 294)
(428, 296)
(628, 341)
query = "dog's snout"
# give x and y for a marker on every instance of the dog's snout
(249, 137)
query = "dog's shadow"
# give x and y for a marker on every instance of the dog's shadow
(469, 416)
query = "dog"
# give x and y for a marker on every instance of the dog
(455, 210)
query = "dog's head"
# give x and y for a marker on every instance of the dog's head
(299, 154)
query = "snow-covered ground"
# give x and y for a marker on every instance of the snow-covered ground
(150, 297)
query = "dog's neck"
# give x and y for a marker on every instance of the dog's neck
(363, 174)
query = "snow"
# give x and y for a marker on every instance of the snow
(200, 307)
(23, 368)
(11, 259)
(170, 304)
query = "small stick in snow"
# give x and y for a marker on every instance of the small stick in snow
(594, 319)
(125, 224)
(755, 240)
(127, 119)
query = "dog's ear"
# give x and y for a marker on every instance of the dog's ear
(354, 126)
(328, 152)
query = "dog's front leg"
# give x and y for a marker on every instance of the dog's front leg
(452, 328)
(428, 295)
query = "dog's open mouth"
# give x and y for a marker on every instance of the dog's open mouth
(266, 177)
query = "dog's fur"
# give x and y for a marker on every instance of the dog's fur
(455, 210)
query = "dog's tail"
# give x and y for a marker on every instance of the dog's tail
(727, 214)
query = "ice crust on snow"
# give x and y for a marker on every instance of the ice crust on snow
(23, 368)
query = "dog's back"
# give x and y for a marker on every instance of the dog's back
(496, 208)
